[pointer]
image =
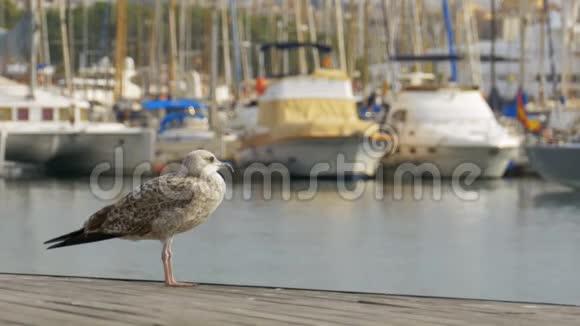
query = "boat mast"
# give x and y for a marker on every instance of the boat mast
(340, 34)
(493, 36)
(366, 45)
(352, 38)
(71, 35)
(33, 48)
(249, 15)
(65, 47)
(450, 40)
(551, 49)
(523, 25)
(84, 57)
(417, 37)
(568, 44)
(389, 43)
(274, 35)
(242, 30)
(153, 58)
(312, 31)
(120, 49)
(183, 8)
(45, 50)
(226, 44)
(172, 49)
(542, 67)
(188, 38)
(213, 69)
(284, 34)
(328, 13)
(139, 62)
(236, 44)
(299, 37)
(472, 41)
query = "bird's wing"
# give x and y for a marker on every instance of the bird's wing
(134, 214)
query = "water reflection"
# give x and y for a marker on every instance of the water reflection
(558, 199)
(518, 241)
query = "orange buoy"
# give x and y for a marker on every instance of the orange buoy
(260, 86)
(327, 62)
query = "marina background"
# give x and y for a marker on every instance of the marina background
(433, 91)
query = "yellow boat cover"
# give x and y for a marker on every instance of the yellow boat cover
(311, 117)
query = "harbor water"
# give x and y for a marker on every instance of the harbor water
(519, 239)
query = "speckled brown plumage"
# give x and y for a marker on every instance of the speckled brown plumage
(159, 208)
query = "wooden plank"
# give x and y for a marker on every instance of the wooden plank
(45, 300)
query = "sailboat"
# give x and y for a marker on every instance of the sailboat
(56, 131)
(555, 155)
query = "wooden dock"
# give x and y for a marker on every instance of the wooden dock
(46, 300)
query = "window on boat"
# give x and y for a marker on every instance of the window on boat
(399, 116)
(84, 115)
(64, 114)
(22, 114)
(47, 114)
(5, 114)
(412, 150)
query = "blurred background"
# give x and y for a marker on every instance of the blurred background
(395, 97)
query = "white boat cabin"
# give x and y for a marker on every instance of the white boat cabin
(45, 108)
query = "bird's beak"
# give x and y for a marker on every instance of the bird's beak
(226, 166)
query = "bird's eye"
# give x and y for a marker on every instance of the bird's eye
(211, 159)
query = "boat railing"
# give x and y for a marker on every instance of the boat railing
(286, 47)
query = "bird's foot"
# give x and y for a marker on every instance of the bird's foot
(179, 284)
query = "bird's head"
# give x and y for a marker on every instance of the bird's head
(201, 162)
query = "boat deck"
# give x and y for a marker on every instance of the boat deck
(46, 300)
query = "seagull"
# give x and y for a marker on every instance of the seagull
(159, 209)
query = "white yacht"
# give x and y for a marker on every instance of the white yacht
(55, 131)
(448, 126)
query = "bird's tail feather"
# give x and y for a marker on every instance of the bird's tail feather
(79, 237)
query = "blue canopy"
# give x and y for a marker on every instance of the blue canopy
(173, 104)
(177, 111)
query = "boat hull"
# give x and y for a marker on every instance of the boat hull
(492, 161)
(124, 153)
(317, 157)
(557, 163)
(74, 152)
(34, 147)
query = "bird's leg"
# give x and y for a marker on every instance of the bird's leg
(165, 260)
(168, 265)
